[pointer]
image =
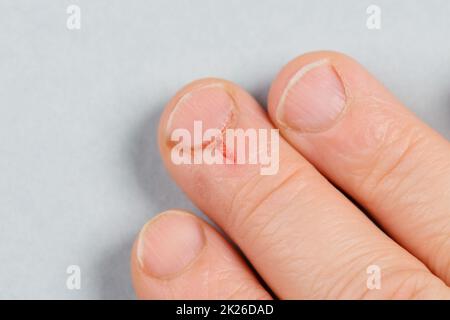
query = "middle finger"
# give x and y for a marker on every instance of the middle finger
(303, 237)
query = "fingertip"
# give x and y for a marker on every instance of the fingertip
(169, 243)
(179, 256)
(353, 77)
(167, 120)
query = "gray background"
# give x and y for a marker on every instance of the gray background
(79, 168)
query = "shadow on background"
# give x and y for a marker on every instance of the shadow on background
(151, 175)
(158, 190)
(116, 282)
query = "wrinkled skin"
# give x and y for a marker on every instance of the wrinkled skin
(343, 136)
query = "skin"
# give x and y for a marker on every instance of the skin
(298, 229)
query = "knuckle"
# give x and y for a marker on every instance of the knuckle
(406, 284)
(394, 162)
(254, 203)
(232, 284)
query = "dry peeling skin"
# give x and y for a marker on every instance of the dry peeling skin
(210, 104)
(212, 107)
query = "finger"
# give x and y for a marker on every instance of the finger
(356, 133)
(179, 256)
(303, 237)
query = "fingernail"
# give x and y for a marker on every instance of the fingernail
(169, 243)
(313, 98)
(210, 104)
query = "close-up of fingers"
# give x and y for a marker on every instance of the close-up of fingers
(366, 142)
(221, 157)
(303, 237)
(179, 256)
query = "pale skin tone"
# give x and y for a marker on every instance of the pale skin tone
(343, 136)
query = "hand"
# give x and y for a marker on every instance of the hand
(362, 190)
